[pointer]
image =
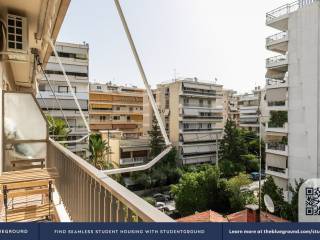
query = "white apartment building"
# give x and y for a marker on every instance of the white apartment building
(249, 107)
(192, 112)
(75, 61)
(293, 88)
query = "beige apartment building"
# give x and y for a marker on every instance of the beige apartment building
(113, 107)
(231, 107)
(192, 112)
(126, 152)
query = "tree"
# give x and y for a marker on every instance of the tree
(200, 191)
(291, 208)
(231, 148)
(238, 197)
(251, 163)
(156, 139)
(58, 128)
(98, 149)
(276, 194)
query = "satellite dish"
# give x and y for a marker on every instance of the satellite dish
(269, 203)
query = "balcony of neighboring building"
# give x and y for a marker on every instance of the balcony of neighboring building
(277, 99)
(278, 42)
(194, 137)
(278, 63)
(277, 172)
(276, 83)
(279, 148)
(207, 158)
(278, 18)
(278, 105)
(277, 127)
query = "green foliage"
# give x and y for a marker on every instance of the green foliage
(205, 189)
(276, 194)
(98, 149)
(238, 198)
(156, 139)
(278, 118)
(58, 128)
(239, 151)
(287, 210)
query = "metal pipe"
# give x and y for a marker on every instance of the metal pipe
(142, 73)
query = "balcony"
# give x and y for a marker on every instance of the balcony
(199, 159)
(277, 129)
(90, 196)
(278, 42)
(277, 172)
(279, 63)
(132, 161)
(274, 83)
(278, 105)
(278, 18)
(277, 148)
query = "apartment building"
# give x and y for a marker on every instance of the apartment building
(249, 107)
(231, 108)
(75, 60)
(126, 152)
(113, 107)
(292, 93)
(192, 112)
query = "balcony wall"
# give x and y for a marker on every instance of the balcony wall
(90, 196)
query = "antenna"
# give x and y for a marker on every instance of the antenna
(269, 203)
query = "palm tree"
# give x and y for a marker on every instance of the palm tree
(58, 128)
(98, 149)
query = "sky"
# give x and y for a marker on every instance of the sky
(206, 39)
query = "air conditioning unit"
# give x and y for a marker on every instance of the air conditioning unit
(17, 32)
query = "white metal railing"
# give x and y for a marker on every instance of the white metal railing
(280, 59)
(283, 10)
(277, 37)
(275, 83)
(287, 8)
(89, 195)
(133, 160)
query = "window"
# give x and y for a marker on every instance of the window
(128, 118)
(117, 108)
(186, 100)
(116, 117)
(102, 118)
(62, 89)
(42, 87)
(200, 102)
(130, 108)
(99, 88)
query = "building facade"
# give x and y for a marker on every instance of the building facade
(75, 60)
(113, 107)
(231, 107)
(249, 107)
(192, 112)
(292, 95)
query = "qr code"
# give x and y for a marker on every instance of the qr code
(312, 201)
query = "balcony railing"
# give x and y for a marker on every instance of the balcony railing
(134, 160)
(277, 146)
(277, 37)
(277, 60)
(281, 11)
(277, 103)
(90, 196)
(275, 83)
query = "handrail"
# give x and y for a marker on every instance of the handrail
(276, 59)
(282, 10)
(75, 173)
(276, 37)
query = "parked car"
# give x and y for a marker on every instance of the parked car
(160, 205)
(159, 197)
(256, 175)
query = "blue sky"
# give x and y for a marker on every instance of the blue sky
(207, 39)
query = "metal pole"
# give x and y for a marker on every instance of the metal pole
(260, 167)
(217, 151)
(142, 73)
